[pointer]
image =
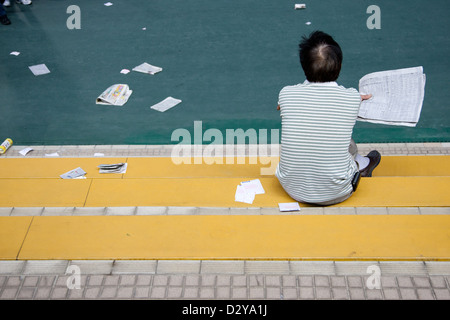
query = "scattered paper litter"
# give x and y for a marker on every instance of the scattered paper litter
(242, 195)
(299, 6)
(108, 4)
(147, 68)
(247, 190)
(39, 69)
(74, 174)
(308, 23)
(54, 154)
(166, 104)
(15, 53)
(253, 186)
(144, 28)
(113, 168)
(290, 206)
(25, 151)
(124, 71)
(116, 95)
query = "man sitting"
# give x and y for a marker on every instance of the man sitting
(319, 159)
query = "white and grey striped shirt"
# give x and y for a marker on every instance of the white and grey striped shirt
(316, 129)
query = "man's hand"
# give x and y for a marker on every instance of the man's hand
(365, 97)
(278, 107)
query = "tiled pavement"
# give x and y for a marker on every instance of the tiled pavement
(240, 280)
(222, 280)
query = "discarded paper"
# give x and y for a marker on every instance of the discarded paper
(300, 6)
(113, 168)
(39, 69)
(166, 104)
(290, 206)
(116, 95)
(15, 53)
(54, 154)
(124, 71)
(247, 190)
(242, 195)
(25, 151)
(253, 186)
(147, 68)
(74, 174)
(107, 4)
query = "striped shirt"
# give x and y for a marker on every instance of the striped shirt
(317, 121)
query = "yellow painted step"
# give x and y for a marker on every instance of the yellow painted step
(54, 167)
(209, 192)
(44, 192)
(403, 166)
(339, 237)
(237, 167)
(12, 235)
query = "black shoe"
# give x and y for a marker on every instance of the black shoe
(375, 158)
(4, 20)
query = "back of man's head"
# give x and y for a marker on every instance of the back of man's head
(320, 57)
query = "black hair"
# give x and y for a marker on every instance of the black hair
(320, 57)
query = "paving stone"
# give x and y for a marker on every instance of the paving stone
(425, 294)
(59, 293)
(256, 293)
(125, 292)
(408, 294)
(323, 293)
(289, 293)
(306, 293)
(174, 292)
(391, 294)
(442, 294)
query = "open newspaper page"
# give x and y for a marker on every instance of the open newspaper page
(397, 96)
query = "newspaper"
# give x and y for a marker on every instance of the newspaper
(113, 168)
(116, 95)
(147, 68)
(397, 96)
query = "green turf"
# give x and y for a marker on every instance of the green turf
(226, 59)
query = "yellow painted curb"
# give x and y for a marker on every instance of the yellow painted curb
(335, 237)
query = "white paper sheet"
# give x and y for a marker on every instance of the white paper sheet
(147, 68)
(39, 69)
(397, 96)
(73, 174)
(166, 104)
(290, 206)
(54, 154)
(243, 195)
(253, 186)
(25, 151)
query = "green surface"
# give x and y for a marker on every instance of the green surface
(226, 59)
